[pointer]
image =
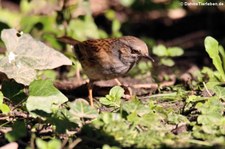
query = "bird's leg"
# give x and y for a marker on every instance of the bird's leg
(118, 82)
(128, 90)
(90, 93)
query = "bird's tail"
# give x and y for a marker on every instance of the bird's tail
(68, 40)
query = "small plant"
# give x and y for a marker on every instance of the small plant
(113, 99)
(3, 107)
(166, 54)
(52, 144)
(217, 54)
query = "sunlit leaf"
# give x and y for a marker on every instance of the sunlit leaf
(127, 2)
(3, 107)
(44, 97)
(116, 92)
(175, 51)
(160, 50)
(13, 15)
(80, 108)
(136, 106)
(220, 91)
(83, 29)
(52, 144)
(167, 61)
(114, 97)
(212, 48)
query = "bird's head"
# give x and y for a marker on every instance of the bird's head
(137, 46)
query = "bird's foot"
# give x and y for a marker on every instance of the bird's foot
(127, 92)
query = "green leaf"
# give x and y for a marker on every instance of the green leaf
(13, 91)
(80, 108)
(106, 146)
(220, 92)
(41, 144)
(211, 119)
(62, 120)
(193, 98)
(175, 51)
(44, 97)
(49, 74)
(3, 107)
(24, 55)
(222, 52)
(52, 144)
(114, 97)
(116, 92)
(212, 48)
(110, 14)
(211, 107)
(115, 28)
(18, 131)
(14, 16)
(213, 78)
(135, 106)
(174, 118)
(167, 62)
(160, 50)
(1, 98)
(84, 28)
(127, 3)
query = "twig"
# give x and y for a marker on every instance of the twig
(207, 90)
(74, 143)
(148, 85)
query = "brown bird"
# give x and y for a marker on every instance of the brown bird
(104, 59)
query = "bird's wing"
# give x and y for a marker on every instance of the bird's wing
(68, 40)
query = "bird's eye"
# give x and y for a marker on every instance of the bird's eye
(133, 51)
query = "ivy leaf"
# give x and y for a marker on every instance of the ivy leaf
(44, 97)
(25, 55)
(80, 108)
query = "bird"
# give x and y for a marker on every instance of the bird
(108, 58)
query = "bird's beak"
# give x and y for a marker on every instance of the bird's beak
(149, 58)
